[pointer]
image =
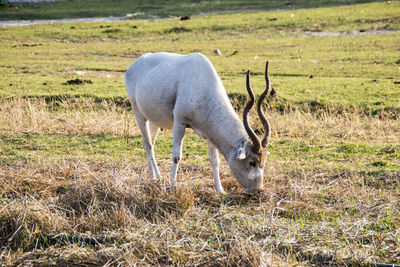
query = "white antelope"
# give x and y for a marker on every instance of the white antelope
(184, 91)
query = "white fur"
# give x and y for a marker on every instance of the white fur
(181, 91)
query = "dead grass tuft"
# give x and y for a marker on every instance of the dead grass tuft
(123, 200)
(327, 124)
(80, 116)
(23, 221)
(242, 253)
(72, 255)
(85, 116)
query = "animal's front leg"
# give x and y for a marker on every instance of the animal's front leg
(177, 138)
(214, 160)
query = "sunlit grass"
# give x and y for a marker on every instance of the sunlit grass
(145, 9)
(336, 72)
(73, 179)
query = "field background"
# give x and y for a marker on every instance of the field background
(73, 181)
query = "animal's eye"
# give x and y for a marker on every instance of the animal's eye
(252, 163)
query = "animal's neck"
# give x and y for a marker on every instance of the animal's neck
(227, 137)
(226, 131)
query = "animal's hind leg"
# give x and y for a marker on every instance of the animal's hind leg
(154, 130)
(143, 124)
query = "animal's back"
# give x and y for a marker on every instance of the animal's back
(156, 81)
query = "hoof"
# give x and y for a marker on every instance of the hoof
(151, 177)
(222, 192)
(171, 187)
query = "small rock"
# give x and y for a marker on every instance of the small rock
(218, 53)
(185, 18)
(77, 81)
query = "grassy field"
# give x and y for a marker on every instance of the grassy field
(73, 181)
(150, 9)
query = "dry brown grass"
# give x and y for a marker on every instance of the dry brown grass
(132, 219)
(107, 213)
(346, 125)
(84, 116)
(79, 116)
(127, 219)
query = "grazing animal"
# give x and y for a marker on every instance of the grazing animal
(184, 91)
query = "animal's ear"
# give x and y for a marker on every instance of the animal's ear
(241, 153)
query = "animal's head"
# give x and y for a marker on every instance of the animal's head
(247, 164)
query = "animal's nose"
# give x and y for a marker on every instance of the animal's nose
(255, 188)
(252, 191)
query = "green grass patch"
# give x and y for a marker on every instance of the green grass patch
(145, 9)
(318, 72)
(102, 147)
(92, 148)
